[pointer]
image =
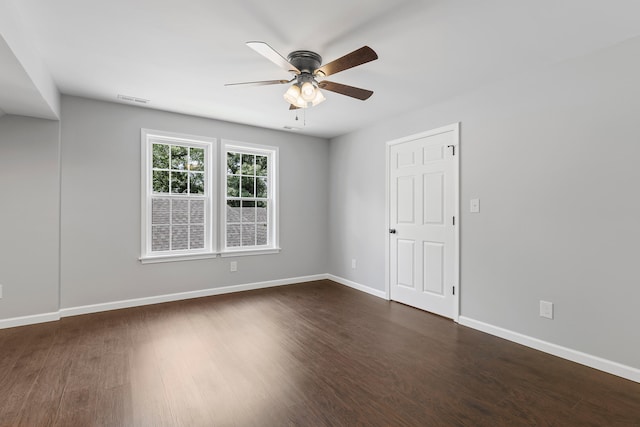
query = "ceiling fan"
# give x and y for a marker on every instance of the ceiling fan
(308, 74)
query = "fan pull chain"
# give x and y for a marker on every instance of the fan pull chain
(304, 117)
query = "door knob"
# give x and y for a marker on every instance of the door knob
(392, 230)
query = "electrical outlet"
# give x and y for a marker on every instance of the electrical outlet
(353, 263)
(0, 291)
(474, 206)
(233, 266)
(546, 309)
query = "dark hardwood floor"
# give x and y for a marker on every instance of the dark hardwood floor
(313, 354)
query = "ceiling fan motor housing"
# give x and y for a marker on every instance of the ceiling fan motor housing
(305, 60)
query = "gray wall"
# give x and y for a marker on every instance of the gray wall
(553, 156)
(29, 216)
(101, 206)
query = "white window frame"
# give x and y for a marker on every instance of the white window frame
(148, 137)
(273, 198)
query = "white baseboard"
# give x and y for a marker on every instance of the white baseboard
(358, 286)
(95, 308)
(29, 320)
(595, 362)
(136, 302)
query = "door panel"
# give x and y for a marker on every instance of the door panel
(406, 266)
(432, 154)
(433, 267)
(423, 253)
(405, 159)
(433, 198)
(405, 199)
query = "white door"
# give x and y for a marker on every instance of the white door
(423, 237)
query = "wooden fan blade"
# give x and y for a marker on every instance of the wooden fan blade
(272, 55)
(293, 107)
(357, 57)
(354, 92)
(261, 83)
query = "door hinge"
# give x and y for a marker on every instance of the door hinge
(454, 220)
(453, 149)
(453, 290)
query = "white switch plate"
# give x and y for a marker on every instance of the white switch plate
(0, 291)
(353, 263)
(233, 266)
(474, 205)
(546, 309)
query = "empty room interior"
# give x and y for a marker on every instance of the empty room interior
(399, 212)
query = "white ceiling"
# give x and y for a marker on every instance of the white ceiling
(179, 55)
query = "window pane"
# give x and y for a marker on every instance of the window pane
(160, 211)
(233, 186)
(177, 201)
(161, 156)
(196, 237)
(196, 159)
(261, 188)
(196, 215)
(248, 234)
(160, 238)
(160, 181)
(248, 211)
(261, 165)
(248, 186)
(233, 211)
(196, 183)
(179, 211)
(179, 157)
(261, 234)
(261, 212)
(248, 162)
(233, 163)
(233, 235)
(179, 182)
(179, 237)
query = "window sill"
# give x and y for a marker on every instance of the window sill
(249, 252)
(191, 257)
(174, 257)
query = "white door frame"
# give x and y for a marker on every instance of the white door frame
(455, 128)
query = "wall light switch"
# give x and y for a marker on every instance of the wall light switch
(546, 309)
(0, 291)
(474, 205)
(233, 266)
(353, 263)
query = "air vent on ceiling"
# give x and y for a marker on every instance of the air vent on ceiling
(133, 99)
(290, 128)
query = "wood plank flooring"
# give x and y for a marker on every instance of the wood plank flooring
(313, 354)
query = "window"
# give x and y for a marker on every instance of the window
(177, 195)
(179, 209)
(250, 220)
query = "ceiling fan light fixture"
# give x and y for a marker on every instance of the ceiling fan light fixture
(296, 96)
(301, 103)
(318, 98)
(308, 91)
(292, 94)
